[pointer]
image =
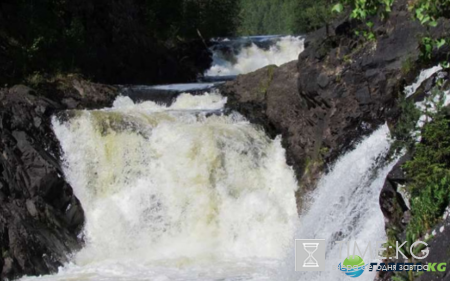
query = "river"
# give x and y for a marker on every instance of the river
(187, 191)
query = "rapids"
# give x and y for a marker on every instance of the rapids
(187, 191)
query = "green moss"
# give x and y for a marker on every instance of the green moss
(407, 66)
(307, 165)
(264, 85)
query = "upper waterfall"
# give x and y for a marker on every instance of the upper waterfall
(251, 53)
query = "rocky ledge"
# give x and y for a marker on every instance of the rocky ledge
(40, 218)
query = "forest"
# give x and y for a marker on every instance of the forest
(283, 16)
(100, 38)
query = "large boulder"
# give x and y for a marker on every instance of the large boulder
(40, 218)
(341, 88)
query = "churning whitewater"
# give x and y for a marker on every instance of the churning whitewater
(251, 53)
(345, 207)
(175, 188)
(189, 192)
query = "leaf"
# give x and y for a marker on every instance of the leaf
(433, 23)
(425, 19)
(419, 14)
(363, 14)
(440, 43)
(445, 64)
(338, 8)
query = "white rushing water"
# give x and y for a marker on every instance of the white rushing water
(186, 192)
(241, 59)
(179, 193)
(424, 75)
(176, 193)
(345, 207)
(184, 87)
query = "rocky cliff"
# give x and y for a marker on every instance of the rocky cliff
(40, 218)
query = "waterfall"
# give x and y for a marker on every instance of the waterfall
(184, 192)
(345, 207)
(251, 53)
(179, 188)
(188, 191)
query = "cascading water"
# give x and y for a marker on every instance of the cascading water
(345, 207)
(251, 53)
(168, 190)
(185, 192)
(182, 193)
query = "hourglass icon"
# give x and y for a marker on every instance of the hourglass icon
(310, 248)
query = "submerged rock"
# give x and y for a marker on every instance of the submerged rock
(40, 218)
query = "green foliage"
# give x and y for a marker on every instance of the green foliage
(212, 18)
(403, 132)
(430, 202)
(283, 16)
(260, 17)
(362, 9)
(406, 251)
(338, 8)
(311, 15)
(98, 37)
(428, 45)
(428, 11)
(429, 170)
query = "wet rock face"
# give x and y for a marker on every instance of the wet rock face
(40, 218)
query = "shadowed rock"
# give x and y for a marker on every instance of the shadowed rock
(40, 218)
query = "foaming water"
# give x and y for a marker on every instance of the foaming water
(179, 195)
(239, 58)
(424, 75)
(345, 207)
(176, 193)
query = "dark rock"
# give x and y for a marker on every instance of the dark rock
(392, 203)
(439, 247)
(164, 96)
(342, 89)
(323, 80)
(40, 218)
